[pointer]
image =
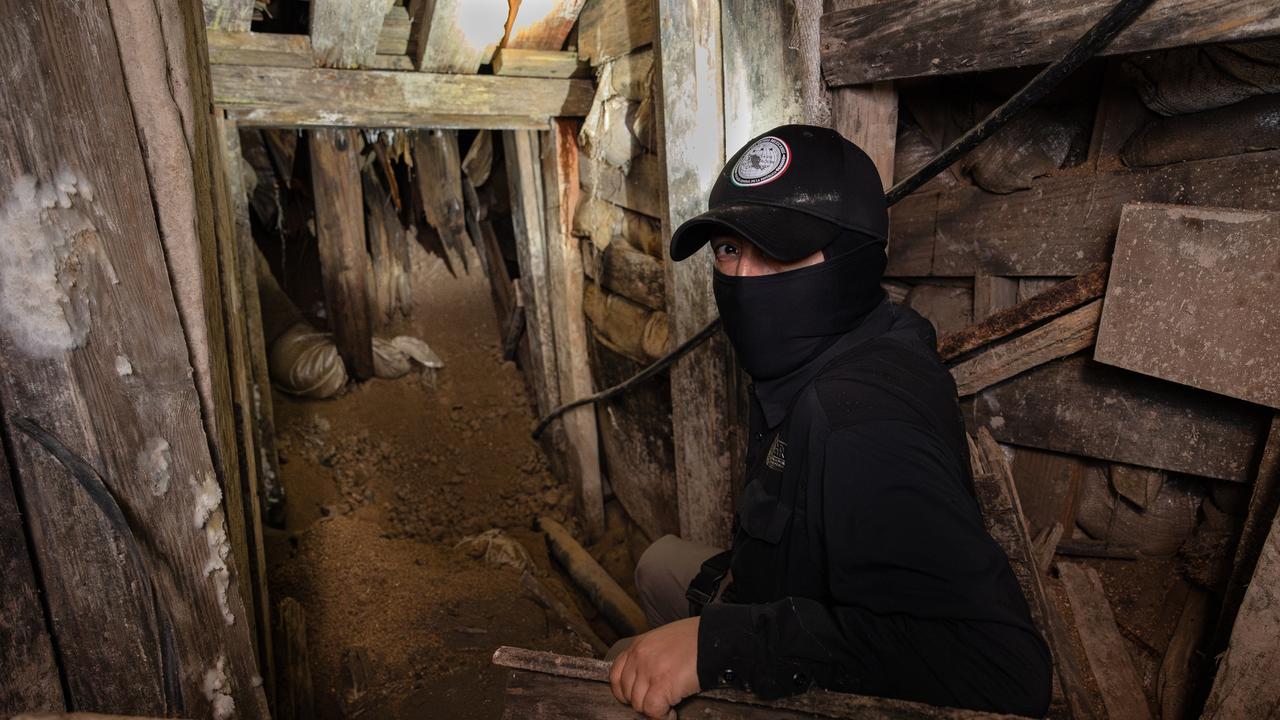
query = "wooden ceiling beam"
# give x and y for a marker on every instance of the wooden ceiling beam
(542, 24)
(293, 97)
(344, 33)
(912, 38)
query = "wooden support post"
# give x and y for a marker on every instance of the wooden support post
(344, 264)
(763, 81)
(295, 699)
(564, 280)
(692, 142)
(344, 33)
(438, 170)
(96, 393)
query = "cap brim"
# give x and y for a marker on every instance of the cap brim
(783, 234)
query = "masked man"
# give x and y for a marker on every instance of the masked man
(859, 560)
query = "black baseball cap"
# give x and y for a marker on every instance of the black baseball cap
(791, 191)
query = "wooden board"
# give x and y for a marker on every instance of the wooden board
(438, 172)
(344, 262)
(138, 623)
(542, 24)
(637, 188)
(1048, 484)
(1065, 223)
(911, 38)
(1105, 648)
(1057, 338)
(692, 141)
(1245, 684)
(608, 29)
(1194, 298)
(1077, 406)
(762, 81)
(992, 294)
(230, 15)
(559, 163)
(250, 48)
(457, 36)
(344, 33)
(291, 97)
(539, 63)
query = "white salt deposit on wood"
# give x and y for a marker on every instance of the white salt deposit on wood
(155, 464)
(209, 515)
(217, 690)
(45, 250)
(123, 366)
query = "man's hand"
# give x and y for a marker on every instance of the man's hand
(658, 670)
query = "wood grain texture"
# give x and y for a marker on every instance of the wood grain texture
(1060, 337)
(867, 116)
(538, 63)
(693, 148)
(438, 175)
(992, 294)
(457, 36)
(251, 48)
(1077, 406)
(609, 29)
(123, 627)
(1063, 297)
(571, 620)
(637, 187)
(559, 162)
(762, 84)
(912, 38)
(542, 24)
(344, 262)
(291, 97)
(295, 696)
(1065, 223)
(1177, 275)
(1104, 647)
(344, 33)
(229, 15)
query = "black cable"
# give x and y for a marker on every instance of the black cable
(1089, 44)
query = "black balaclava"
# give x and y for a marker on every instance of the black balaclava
(779, 322)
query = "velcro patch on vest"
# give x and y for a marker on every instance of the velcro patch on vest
(777, 457)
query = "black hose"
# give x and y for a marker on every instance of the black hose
(1089, 44)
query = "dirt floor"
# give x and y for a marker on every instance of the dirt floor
(385, 485)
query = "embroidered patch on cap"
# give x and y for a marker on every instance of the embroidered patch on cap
(763, 162)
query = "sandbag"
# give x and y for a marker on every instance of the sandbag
(1034, 143)
(1192, 79)
(1248, 126)
(396, 357)
(1159, 530)
(304, 361)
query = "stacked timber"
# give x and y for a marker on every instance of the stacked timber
(618, 220)
(1119, 348)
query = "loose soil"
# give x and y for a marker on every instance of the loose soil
(384, 485)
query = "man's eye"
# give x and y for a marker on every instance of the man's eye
(725, 249)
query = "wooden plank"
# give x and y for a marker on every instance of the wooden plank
(104, 381)
(1245, 682)
(1060, 337)
(762, 87)
(457, 36)
(335, 182)
(295, 697)
(564, 279)
(1026, 313)
(542, 24)
(539, 63)
(1048, 484)
(1108, 655)
(912, 38)
(1077, 406)
(1065, 223)
(992, 294)
(26, 652)
(867, 116)
(251, 48)
(344, 33)
(637, 188)
(692, 142)
(393, 37)
(438, 172)
(290, 97)
(609, 29)
(605, 593)
(547, 685)
(1176, 275)
(229, 15)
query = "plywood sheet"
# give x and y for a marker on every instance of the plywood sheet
(1194, 297)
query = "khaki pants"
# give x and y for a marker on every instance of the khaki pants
(662, 576)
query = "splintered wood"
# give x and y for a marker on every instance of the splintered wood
(1194, 298)
(1105, 648)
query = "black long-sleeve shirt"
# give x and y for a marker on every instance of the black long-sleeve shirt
(860, 560)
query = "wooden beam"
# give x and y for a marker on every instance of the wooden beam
(438, 175)
(538, 63)
(542, 24)
(291, 97)
(97, 394)
(1065, 223)
(564, 279)
(692, 142)
(295, 698)
(230, 15)
(1245, 682)
(457, 36)
(912, 38)
(1177, 272)
(1077, 406)
(613, 602)
(762, 82)
(397, 29)
(992, 294)
(344, 263)
(609, 29)
(344, 33)
(1105, 648)
(1063, 336)
(250, 48)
